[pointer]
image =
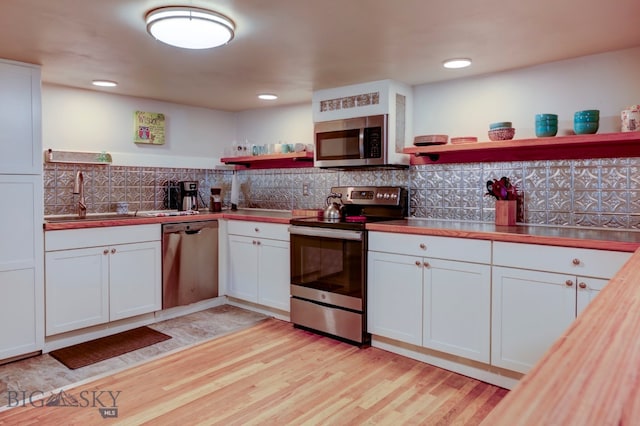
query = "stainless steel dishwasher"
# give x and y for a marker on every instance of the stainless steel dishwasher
(189, 262)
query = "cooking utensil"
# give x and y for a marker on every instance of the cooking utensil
(333, 211)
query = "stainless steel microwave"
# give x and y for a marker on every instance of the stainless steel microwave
(352, 142)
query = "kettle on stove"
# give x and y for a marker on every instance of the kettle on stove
(333, 211)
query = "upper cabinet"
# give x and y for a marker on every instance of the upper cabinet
(20, 110)
(607, 145)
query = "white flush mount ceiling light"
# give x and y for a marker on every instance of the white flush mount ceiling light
(268, 96)
(104, 83)
(189, 27)
(457, 63)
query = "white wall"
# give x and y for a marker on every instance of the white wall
(609, 82)
(290, 124)
(90, 121)
(84, 120)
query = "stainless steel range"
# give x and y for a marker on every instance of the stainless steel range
(329, 261)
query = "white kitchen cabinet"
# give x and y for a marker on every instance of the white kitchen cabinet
(21, 253)
(394, 297)
(77, 289)
(537, 293)
(530, 311)
(134, 279)
(243, 259)
(98, 275)
(20, 119)
(21, 288)
(588, 289)
(259, 263)
(457, 308)
(430, 301)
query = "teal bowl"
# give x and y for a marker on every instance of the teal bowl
(592, 115)
(545, 131)
(585, 127)
(547, 117)
(500, 125)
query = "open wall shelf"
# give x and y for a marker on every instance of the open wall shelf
(607, 145)
(272, 161)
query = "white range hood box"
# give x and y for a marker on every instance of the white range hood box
(359, 100)
(388, 97)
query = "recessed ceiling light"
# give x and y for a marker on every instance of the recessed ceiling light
(268, 96)
(457, 63)
(104, 83)
(189, 27)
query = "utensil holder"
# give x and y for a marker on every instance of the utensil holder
(506, 211)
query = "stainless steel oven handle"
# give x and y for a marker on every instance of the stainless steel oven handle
(325, 233)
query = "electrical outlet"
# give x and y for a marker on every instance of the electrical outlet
(305, 189)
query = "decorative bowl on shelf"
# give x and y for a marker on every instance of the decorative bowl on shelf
(464, 139)
(502, 134)
(430, 140)
(500, 125)
(585, 128)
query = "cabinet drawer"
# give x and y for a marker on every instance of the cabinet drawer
(95, 237)
(273, 231)
(467, 250)
(575, 261)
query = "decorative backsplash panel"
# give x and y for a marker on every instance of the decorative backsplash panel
(143, 188)
(345, 102)
(593, 193)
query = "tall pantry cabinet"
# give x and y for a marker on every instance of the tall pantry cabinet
(21, 212)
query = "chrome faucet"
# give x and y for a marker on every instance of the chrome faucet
(78, 188)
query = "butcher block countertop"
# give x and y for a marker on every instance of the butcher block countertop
(591, 374)
(582, 237)
(53, 223)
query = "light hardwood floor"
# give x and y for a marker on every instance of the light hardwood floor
(274, 374)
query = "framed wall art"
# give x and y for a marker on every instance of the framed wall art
(148, 127)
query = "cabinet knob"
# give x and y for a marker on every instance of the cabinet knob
(258, 242)
(582, 285)
(113, 251)
(568, 283)
(256, 229)
(253, 242)
(423, 246)
(418, 263)
(426, 264)
(105, 252)
(576, 261)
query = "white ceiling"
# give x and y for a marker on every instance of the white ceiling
(293, 47)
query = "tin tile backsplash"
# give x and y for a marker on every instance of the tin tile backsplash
(595, 193)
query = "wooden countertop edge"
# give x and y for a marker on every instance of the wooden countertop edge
(140, 220)
(591, 375)
(511, 237)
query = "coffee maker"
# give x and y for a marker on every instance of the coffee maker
(188, 195)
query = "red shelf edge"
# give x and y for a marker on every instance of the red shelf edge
(604, 145)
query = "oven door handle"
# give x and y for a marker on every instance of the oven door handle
(325, 233)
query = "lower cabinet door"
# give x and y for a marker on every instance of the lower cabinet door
(457, 308)
(531, 309)
(394, 306)
(77, 289)
(588, 289)
(274, 278)
(18, 327)
(243, 268)
(135, 285)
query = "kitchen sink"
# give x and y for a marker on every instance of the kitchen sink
(89, 217)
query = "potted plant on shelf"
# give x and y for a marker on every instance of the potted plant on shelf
(506, 196)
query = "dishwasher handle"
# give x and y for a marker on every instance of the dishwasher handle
(189, 227)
